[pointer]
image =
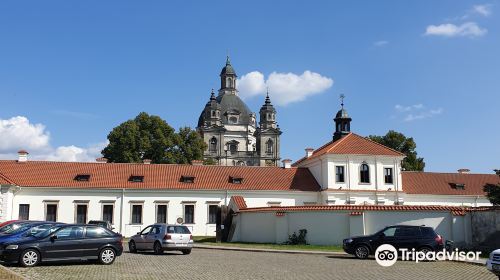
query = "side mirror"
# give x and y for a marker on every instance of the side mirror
(382, 235)
(138, 233)
(53, 237)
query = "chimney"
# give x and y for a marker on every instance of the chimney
(463, 170)
(287, 163)
(101, 160)
(22, 156)
(197, 162)
(146, 161)
(309, 152)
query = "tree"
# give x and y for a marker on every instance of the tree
(493, 191)
(150, 137)
(190, 145)
(406, 145)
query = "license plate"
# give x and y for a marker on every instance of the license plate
(181, 244)
(496, 267)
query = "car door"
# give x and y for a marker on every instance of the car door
(384, 237)
(95, 238)
(140, 239)
(152, 236)
(66, 243)
(406, 237)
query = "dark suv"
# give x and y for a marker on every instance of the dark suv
(420, 238)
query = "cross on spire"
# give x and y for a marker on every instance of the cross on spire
(342, 96)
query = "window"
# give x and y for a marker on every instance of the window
(235, 180)
(407, 232)
(24, 211)
(82, 177)
(213, 145)
(136, 178)
(74, 232)
(187, 179)
(233, 148)
(182, 230)
(339, 174)
(389, 232)
(81, 214)
(107, 213)
(161, 213)
(212, 213)
(51, 212)
(136, 214)
(96, 232)
(189, 214)
(233, 119)
(269, 146)
(388, 175)
(364, 173)
(156, 230)
(146, 230)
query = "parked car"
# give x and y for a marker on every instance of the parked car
(420, 238)
(161, 237)
(26, 229)
(13, 226)
(493, 263)
(64, 242)
(6, 223)
(104, 224)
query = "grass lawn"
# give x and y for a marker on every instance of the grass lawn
(209, 240)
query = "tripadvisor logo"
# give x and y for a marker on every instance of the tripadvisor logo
(387, 255)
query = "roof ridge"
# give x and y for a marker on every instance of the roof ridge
(450, 173)
(338, 141)
(384, 146)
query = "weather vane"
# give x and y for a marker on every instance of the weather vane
(342, 96)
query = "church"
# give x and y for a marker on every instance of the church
(347, 172)
(229, 127)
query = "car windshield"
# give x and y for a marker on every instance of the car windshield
(47, 232)
(14, 228)
(38, 229)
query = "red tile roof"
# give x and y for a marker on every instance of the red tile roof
(457, 211)
(441, 183)
(5, 181)
(239, 201)
(156, 176)
(352, 144)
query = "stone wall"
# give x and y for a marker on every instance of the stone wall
(486, 229)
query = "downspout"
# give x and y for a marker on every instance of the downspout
(121, 211)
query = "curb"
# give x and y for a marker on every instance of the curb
(470, 262)
(227, 248)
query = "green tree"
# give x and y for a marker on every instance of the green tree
(190, 145)
(493, 191)
(406, 145)
(150, 137)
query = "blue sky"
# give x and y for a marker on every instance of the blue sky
(70, 71)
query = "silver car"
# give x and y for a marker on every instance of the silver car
(161, 237)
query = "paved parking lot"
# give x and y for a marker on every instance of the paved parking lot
(218, 264)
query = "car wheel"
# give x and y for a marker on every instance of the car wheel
(29, 258)
(158, 250)
(425, 250)
(361, 252)
(186, 252)
(107, 256)
(131, 247)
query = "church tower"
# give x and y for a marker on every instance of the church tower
(342, 121)
(268, 135)
(228, 79)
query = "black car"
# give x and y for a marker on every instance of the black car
(64, 242)
(420, 238)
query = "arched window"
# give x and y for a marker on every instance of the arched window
(364, 173)
(213, 145)
(269, 146)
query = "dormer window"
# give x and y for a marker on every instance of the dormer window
(136, 178)
(233, 119)
(82, 177)
(457, 186)
(236, 180)
(187, 179)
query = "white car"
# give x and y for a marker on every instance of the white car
(493, 263)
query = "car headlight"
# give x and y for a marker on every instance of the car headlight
(11, 247)
(347, 241)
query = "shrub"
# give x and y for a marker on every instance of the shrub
(299, 239)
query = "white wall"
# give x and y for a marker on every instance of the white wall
(35, 197)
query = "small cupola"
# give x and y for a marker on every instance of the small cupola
(342, 121)
(267, 114)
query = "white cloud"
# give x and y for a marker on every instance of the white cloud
(284, 88)
(484, 10)
(416, 112)
(467, 29)
(380, 43)
(19, 133)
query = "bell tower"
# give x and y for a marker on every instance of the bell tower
(342, 121)
(268, 135)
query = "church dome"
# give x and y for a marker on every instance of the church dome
(231, 106)
(342, 114)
